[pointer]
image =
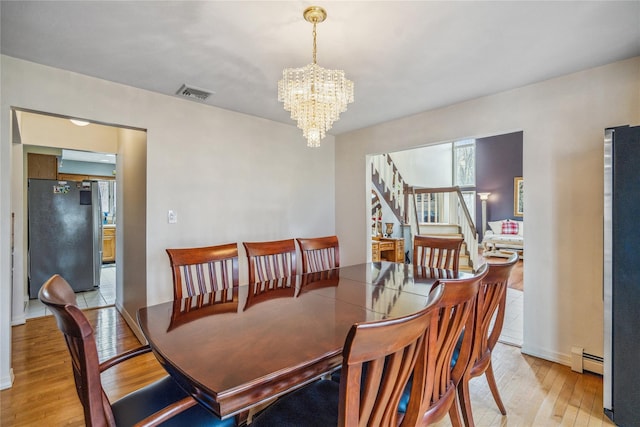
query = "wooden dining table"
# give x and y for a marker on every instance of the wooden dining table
(236, 348)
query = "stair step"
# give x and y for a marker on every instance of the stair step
(439, 228)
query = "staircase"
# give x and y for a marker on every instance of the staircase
(427, 211)
(390, 185)
(388, 196)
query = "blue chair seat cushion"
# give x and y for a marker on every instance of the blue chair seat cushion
(404, 400)
(315, 405)
(150, 399)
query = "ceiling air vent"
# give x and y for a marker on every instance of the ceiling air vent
(193, 93)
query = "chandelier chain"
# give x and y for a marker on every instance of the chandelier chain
(314, 43)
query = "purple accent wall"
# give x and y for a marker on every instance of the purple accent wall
(498, 161)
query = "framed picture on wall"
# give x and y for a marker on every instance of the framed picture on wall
(518, 194)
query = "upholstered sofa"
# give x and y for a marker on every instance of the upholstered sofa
(504, 238)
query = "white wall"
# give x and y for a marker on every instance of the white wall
(563, 120)
(230, 177)
(430, 166)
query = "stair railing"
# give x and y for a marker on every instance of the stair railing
(443, 205)
(390, 184)
(446, 205)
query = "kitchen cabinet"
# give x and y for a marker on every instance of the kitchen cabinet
(109, 244)
(42, 166)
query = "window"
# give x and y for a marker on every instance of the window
(108, 199)
(430, 206)
(464, 171)
(464, 163)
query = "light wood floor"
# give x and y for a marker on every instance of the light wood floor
(44, 394)
(516, 278)
(535, 392)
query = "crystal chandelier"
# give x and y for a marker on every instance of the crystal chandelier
(314, 95)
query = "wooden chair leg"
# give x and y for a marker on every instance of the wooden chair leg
(464, 396)
(494, 388)
(454, 414)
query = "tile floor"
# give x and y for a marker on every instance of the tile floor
(512, 327)
(103, 296)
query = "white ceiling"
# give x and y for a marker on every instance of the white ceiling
(404, 57)
(88, 156)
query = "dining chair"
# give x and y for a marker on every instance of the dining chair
(271, 260)
(160, 402)
(319, 253)
(489, 318)
(202, 270)
(447, 354)
(437, 252)
(378, 359)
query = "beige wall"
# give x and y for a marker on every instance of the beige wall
(131, 232)
(233, 177)
(229, 176)
(50, 131)
(563, 120)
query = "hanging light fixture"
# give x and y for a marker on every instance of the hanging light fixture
(314, 95)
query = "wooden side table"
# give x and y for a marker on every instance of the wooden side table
(387, 249)
(375, 251)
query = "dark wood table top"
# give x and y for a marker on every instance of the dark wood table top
(234, 349)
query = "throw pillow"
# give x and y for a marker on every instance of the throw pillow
(496, 226)
(509, 227)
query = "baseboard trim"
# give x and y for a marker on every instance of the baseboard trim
(510, 341)
(7, 381)
(135, 328)
(563, 359)
(590, 363)
(19, 320)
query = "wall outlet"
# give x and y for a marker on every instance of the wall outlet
(172, 217)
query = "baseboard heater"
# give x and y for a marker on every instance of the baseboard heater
(581, 361)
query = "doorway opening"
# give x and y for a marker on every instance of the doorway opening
(483, 174)
(76, 239)
(66, 152)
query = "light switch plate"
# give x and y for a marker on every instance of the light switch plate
(172, 217)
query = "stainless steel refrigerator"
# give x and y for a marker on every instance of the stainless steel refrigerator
(65, 233)
(621, 391)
